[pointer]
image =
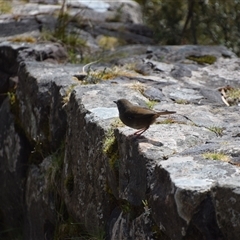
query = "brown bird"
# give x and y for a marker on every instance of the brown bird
(137, 117)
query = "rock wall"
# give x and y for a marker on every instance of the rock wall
(68, 168)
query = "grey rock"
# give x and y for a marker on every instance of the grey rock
(41, 200)
(199, 179)
(154, 94)
(180, 71)
(15, 150)
(107, 181)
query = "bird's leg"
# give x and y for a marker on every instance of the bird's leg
(141, 131)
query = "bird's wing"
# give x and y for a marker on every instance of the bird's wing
(136, 115)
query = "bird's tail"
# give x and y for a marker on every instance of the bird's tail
(165, 113)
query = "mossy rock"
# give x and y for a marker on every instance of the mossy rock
(205, 59)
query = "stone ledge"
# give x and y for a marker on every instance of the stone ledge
(106, 181)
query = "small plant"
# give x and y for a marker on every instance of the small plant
(216, 156)
(206, 59)
(12, 97)
(217, 130)
(72, 40)
(146, 207)
(151, 104)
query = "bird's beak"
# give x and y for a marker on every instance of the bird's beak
(115, 102)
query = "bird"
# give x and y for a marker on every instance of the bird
(137, 117)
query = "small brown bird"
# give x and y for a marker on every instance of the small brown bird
(137, 117)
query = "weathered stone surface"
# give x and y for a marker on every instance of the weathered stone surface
(14, 152)
(69, 160)
(41, 202)
(191, 192)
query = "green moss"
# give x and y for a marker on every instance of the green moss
(234, 93)
(12, 97)
(110, 149)
(151, 104)
(216, 156)
(5, 6)
(205, 59)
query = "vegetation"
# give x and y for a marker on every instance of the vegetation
(5, 6)
(206, 59)
(217, 130)
(94, 77)
(216, 156)
(23, 38)
(110, 149)
(151, 104)
(209, 22)
(234, 93)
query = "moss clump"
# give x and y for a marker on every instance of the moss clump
(234, 93)
(5, 6)
(217, 130)
(110, 149)
(205, 59)
(151, 104)
(12, 97)
(216, 156)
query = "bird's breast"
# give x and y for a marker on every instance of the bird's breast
(136, 123)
